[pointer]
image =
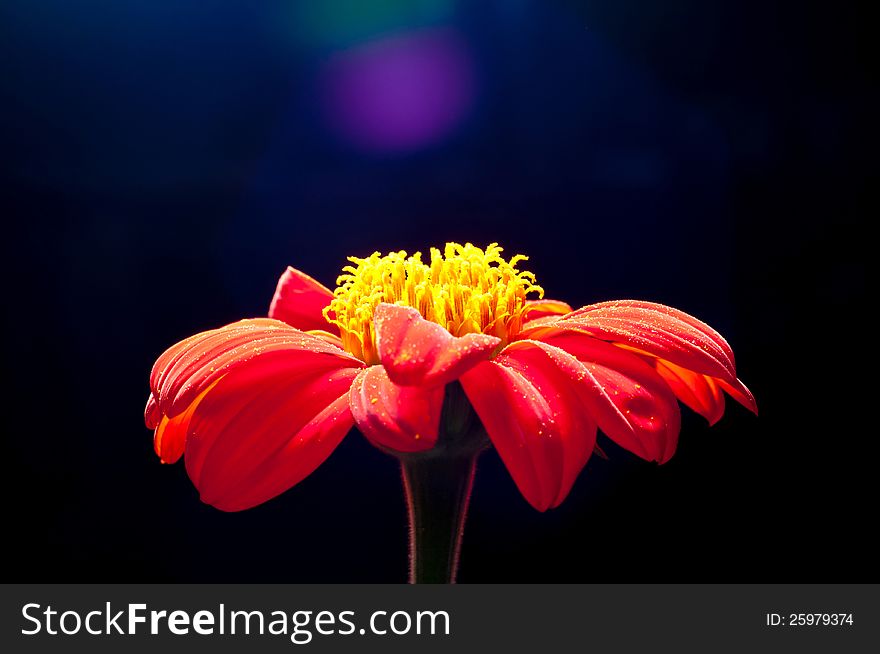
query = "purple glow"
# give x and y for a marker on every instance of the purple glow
(400, 93)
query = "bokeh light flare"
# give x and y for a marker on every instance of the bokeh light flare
(401, 93)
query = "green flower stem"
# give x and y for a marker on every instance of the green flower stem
(438, 487)
(438, 490)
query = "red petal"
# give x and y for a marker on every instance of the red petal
(542, 308)
(536, 420)
(300, 300)
(517, 417)
(399, 418)
(261, 430)
(699, 392)
(416, 352)
(169, 439)
(658, 331)
(298, 457)
(572, 421)
(240, 400)
(174, 354)
(630, 401)
(189, 367)
(152, 415)
(738, 391)
(333, 339)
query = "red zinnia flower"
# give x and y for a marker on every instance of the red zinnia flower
(258, 404)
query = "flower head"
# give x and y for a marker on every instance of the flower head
(464, 289)
(255, 406)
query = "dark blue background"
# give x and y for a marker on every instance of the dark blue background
(164, 161)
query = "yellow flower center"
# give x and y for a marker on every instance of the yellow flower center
(465, 289)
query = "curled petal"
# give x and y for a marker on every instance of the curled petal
(657, 331)
(739, 392)
(652, 315)
(152, 415)
(631, 403)
(399, 418)
(701, 393)
(254, 406)
(188, 368)
(416, 352)
(299, 301)
(169, 439)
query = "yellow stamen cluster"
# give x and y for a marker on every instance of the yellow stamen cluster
(464, 288)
